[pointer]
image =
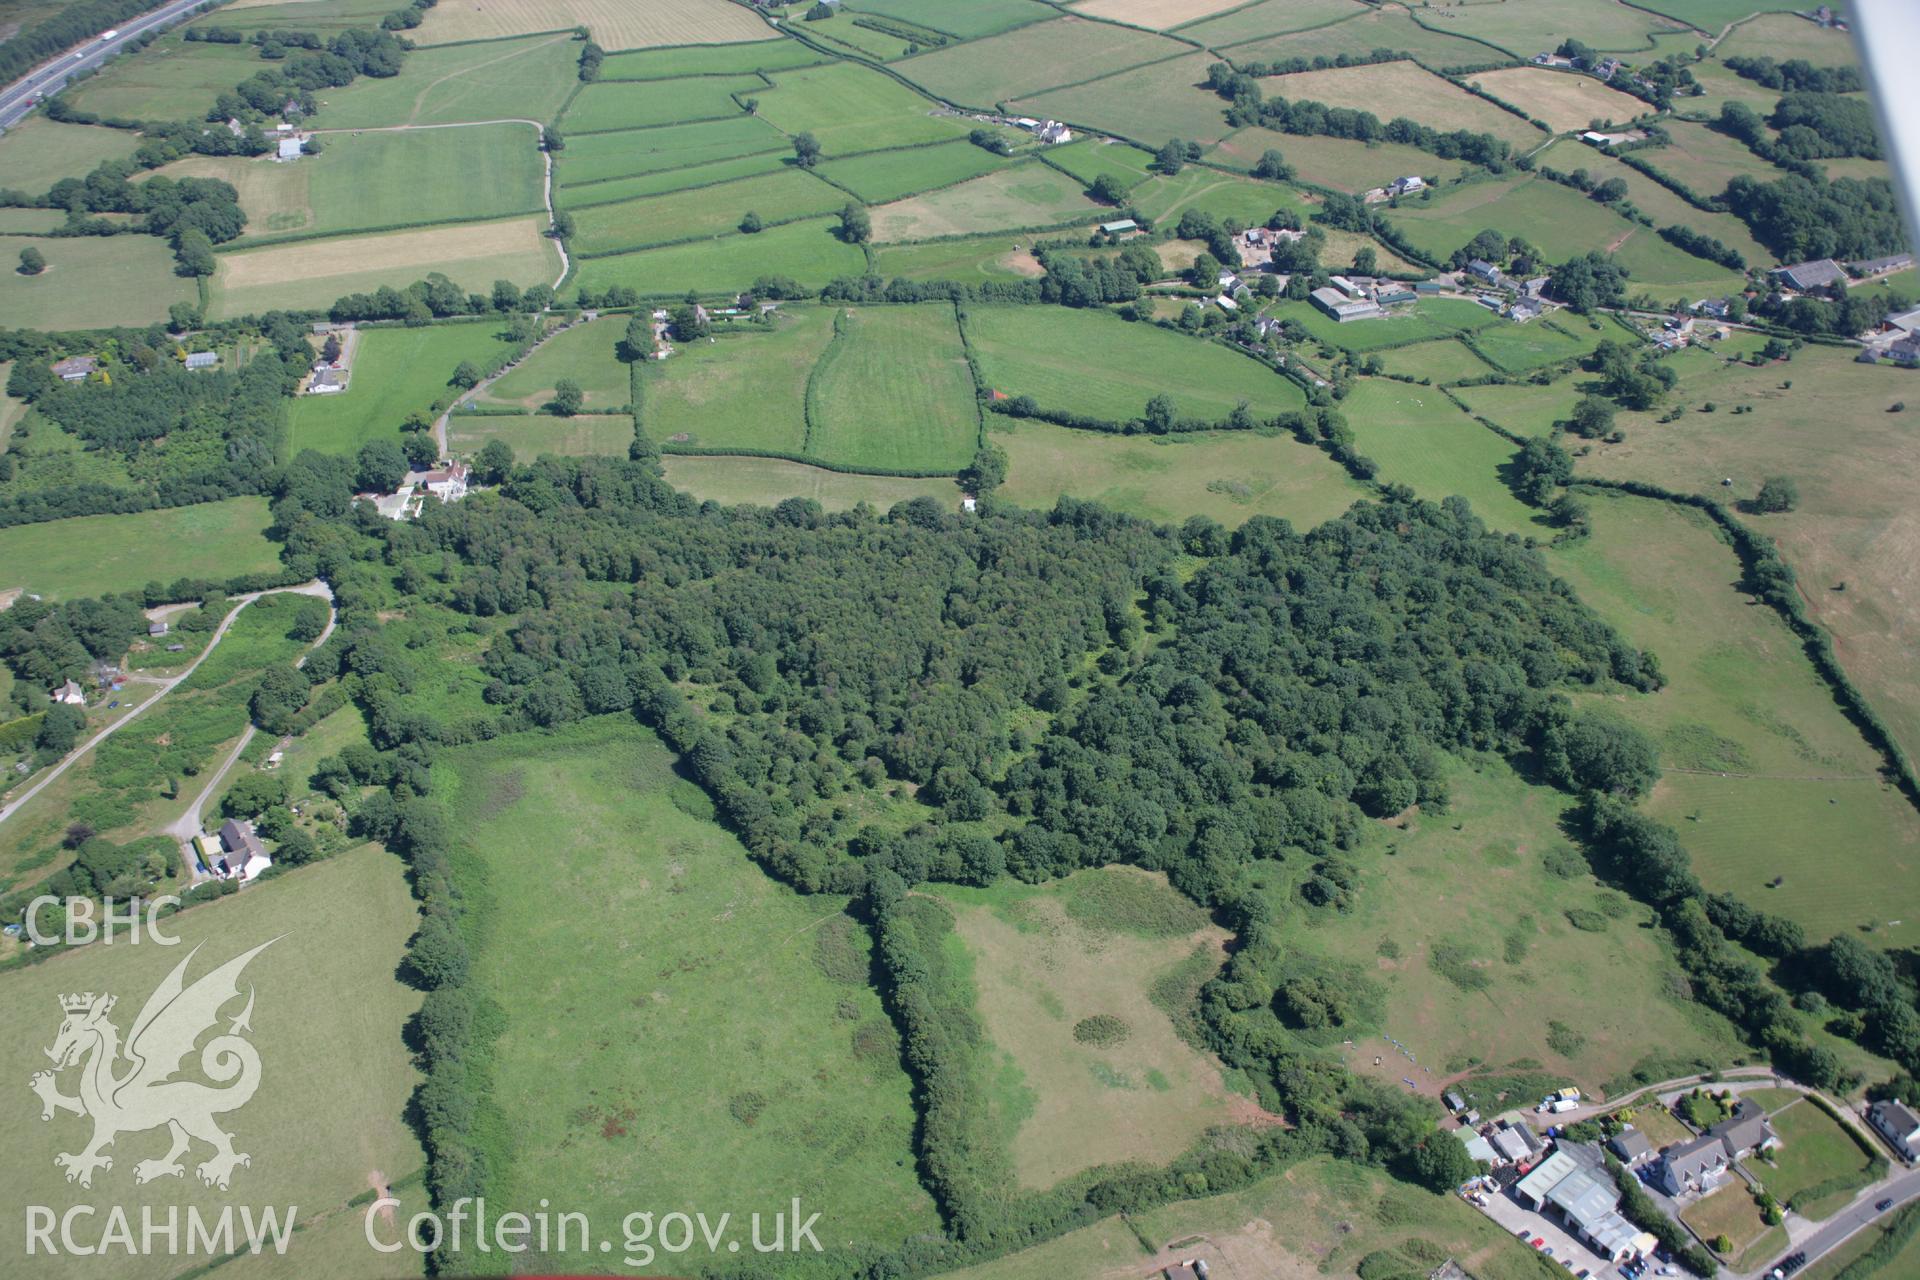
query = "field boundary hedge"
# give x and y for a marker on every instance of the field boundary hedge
(560, 186)
(722, 451)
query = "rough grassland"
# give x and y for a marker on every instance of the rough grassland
(1380, 29)
(975, 18)
(1158, 14)
(713, 60)
(1814, 1151)
(38, 152)
(596, 157)
(745, 391)
(170, 80)
(91, 282)
(1390, 89)
(1148, 104)
(892, 175)
(1565, 102)
(1094, 363)
(893, 392)
(1764, 776)
(983, 72)
(639, 104)
(993, 257)
(1339, 163)
(509, 80)
(529, 437)
(1524, 29)
(385, 180)
(1271, 17)
(849, 108)
(315, 273)
(810, 252)
(328, 1021)
(701, 211)
(651, 928)
(586, 353)
(1038, 970)
(394, 372)
(1026, 195)
(1419, 439)
(1231, 476)
(615, 24)
(766, 482)
(92, 555)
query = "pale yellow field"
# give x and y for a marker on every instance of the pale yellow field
(1564, 101)
(277, 197)
(616, 24)
(1158, 14)
(1390, 89)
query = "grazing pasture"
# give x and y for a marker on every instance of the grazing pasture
(1443, 360)
(1338, 163)
(701, 211)
(966, 21)
(738, 973)
(746, 390)
(314, 273)
(851, 108)
(615, 25)
(711, 60)
(38, 152)
(981, 73)
(809, 252)
(30, 221)
(1248, 201)
(1094, 363)
(91, 282)
(1564, 101)
(1382, 28)
(1391, 89)
(1705, 160)
(1656, 201)
(328, 1020)
(892, 175)
(892, 392)
(169, 80)
(1150, 104)
(1270, 17)
(991, 257)
(616, 190)
(1091, 158)
(1786, 35)
(587, 354)
(1023, 195)
(584, 435)
(527, 79)
(1520, 348)
(1711, 16)
(639, 104)
(1524, 408)
(600, 156)
(1230, 476)
(1422, 441)
(394, 372)
(1524, 29)
(766, 482)
(94, 555)
(1161, 15)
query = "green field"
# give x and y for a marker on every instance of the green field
(1149, 104)
(1339, 163)
(1091, 158)
(1092, 363)
(1519, 348)
(1427, 318)
(1817, 1155)
(38, 152)
(596, 157)
(588, 354)
(30, 221)
(975, 18)
(1523, 408)
(702, 212)
(610, 105)
(992, 257)
(585, 435)
(1785, 35)
(1230, 476)
(766, 482)
(1268, 18)
(170, 80)
(843, 34)
(850, 108)
(335, 1075)
(893, 392)
(1420, 440)
(1654, 200)
(890, 175)
(1380, 29)
(617, 190)
(523, 79)
(785, 1101)
(1525, 29)
(393, 372)
(91, 555)
(1704, 160)
(1391, 89)
(1712, 15)
(91, 282)
(708, 60)
(1025, 195)
(1441, 361)
(1002, 68)
(305, 15)
(1224, 195)
(809, 252)
(743, 391)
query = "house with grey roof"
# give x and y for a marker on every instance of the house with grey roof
(203, 360)
(1899, 1125)
(1696, 1165)
(1806, 276)
(1631, 1145)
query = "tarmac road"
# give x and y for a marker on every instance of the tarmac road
(18, 98)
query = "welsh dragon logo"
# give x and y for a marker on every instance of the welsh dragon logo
(142, 1094)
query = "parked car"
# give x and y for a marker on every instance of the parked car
(1884, 1205)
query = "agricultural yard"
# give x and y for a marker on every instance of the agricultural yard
(171, 80)
(1339, 163)
(711, 60)
(530, 435)
(892, 175)
(850, 108)
(91, 282)
(394, 372)
(1149, 104)
(637, 104)
(315, 273)
(38, 152)
(744, 391)
(1391, 89)
(1234, 25)
(1001, 68)
(701, 212)
(328, 1021)
(739, 974)
(586, 354)
(614, 25)
(1230, 476)
(810, 252)
(385, 179)
(1044, 960)
(1381, 28)
(893, 393)
(526, 79)
(1563, 102)
(594, 158)
(975, 18)
(1525, 29)
(1024, 195)
(992, 257)
(93, 555)
(767, 482)
(1757, 785)
(1100, 365)
(1420, 440)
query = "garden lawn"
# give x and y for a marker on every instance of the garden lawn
(1093, 363)
(38, 152)
(526, 79)
(891, 175)
(393, 372)
(608, 105)
(584, 435)
(1818, 1165)
(810, 252)
(168, 80)
(587, 354)
(766, 482)
(1732, 1212)
(1421, 440)
(1024, 195)
(93, 555)
(709, 60)
(981, 73)
(90, 282)
(1148, 104)
(1390, 89)
(701, 212)
(738, 974)
(743, 391)
(1339, 163)
(893, 393)
(851, 108)
(599, 156)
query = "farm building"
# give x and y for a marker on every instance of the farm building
(1899, 1125)
(1574, 1181)
(242, 856)
(292, 147)
(1517, 1143)
(1402, 186)
(1120, 227)
(1052, 132)
(1880, 266)
(69, 694)
(326, 381)
(75, 368)
(1478, 1148)
(203, 360)
(1481, 269)
(1342, 308)
(1804, 276)
(156, 628)
(1551, 60)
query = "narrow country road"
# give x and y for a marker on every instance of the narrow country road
(314, 588)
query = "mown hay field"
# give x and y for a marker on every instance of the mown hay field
(850, 108)
(94, 555)
(1091, 158)
(584, 435)
(893, 392)
(526, 79)
(38, 152)
(393, 372)
(91, 282)
(810, 252)
(1024, 195)
(304, 15)
(314, 273)
(746, 390)
(892, 175)
(639, 104)
(1148, 104)
(766, 482)
(1097, 364)
(739, 973)
(586, 354)
(1565, 101)
(615, 24)
(1391, 89)
(597, 157)
(1000, 68)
